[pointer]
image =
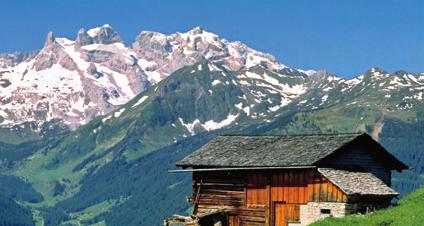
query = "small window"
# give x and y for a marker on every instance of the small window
(325, 211)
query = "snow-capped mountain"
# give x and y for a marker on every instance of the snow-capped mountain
(12, 59)
(70, 81)
(166, 53)
(77, 80)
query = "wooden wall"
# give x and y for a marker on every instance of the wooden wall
(228, 191)
(322, 190)
(290, 186)
(251, 196)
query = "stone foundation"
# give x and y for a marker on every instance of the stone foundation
(314, 211)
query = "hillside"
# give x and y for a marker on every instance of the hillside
(408, 212)
(113, 169)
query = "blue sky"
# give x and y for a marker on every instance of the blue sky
(343, 37)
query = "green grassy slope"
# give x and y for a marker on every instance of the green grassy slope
(408, 212)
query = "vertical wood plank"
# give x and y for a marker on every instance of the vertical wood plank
(268, 217)
(336, 195)
(285, 187)
(291, 188)
(330, 191)
(305, 178)
(280, 186)
(339, 196)
(301, 187)
(297, 187)
(275, 188)
(324, 190)
(316, 188)
(310, 186)
(269, 202)
(257, 190)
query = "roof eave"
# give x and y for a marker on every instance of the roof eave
(237, 168)
(356, 195)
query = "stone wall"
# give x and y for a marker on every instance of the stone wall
(364, 207)
(311, 212)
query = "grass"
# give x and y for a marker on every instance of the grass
(409, 212)
(93, 211)
(329, 120)
(43, 180)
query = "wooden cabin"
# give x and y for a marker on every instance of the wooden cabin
(288, 180)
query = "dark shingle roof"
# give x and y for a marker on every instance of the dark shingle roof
(357, 183)
(266, 151)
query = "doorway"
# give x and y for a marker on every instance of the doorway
(280, 214)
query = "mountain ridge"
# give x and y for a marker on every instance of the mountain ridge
(103, 63)
(112, 168)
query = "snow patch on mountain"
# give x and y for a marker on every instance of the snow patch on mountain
(140, 101)
(208, 125)
(212, 125)
(212, 67)
(117, 113)
(215, 82)
(283, 103)
(94, 31)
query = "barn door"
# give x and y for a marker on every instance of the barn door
(280, 214)
(284, 213)
(233, 220)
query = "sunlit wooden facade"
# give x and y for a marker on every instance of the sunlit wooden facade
(268, 197)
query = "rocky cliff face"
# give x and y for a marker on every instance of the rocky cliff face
(166, 53)
(71, 80)
(12, 59)
(75, 81)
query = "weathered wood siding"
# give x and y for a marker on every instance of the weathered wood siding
(357, 157)
(219, 190)
(322, 190)
(290, 186)
(257, 190)
(228, 191)
(252, 197)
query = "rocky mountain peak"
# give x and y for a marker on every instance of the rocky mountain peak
(12, 59)
(75, 80)
(196, 30)
(401, 73)
(83, 38)
(170, 52)
(49, 39)
(321, 74)
(104, 35)
(376, 71)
